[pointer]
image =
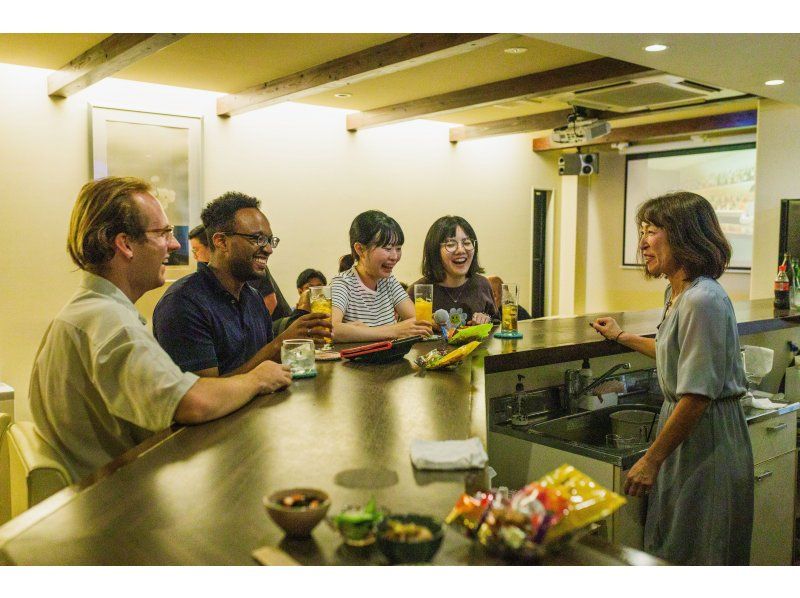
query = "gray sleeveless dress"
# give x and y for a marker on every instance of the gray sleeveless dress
(700, 510)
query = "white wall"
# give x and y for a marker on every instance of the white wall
(777, 166)
(610, 286)
(312, 176)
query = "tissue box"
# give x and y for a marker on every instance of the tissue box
(792, 384)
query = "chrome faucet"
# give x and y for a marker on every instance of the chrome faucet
(574, 390)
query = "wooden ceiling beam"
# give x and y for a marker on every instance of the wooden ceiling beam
(396, 55)
(507, 126)
(671, 128)
(530, 123)
(110, 56)
(601, 71)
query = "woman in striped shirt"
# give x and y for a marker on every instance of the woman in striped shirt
(366, 296)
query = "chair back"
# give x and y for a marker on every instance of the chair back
(37, 470)
(5, 475)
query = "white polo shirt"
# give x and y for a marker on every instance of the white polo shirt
(101, 383)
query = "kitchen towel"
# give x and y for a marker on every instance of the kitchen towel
(448, 454)
(762, 400)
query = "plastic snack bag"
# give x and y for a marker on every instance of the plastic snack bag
(589, 501)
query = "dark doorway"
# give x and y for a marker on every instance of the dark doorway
(540, 198)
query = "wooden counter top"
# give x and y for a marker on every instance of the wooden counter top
(557, 340)
(193, 495)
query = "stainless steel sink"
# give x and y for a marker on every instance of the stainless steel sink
(589, 427)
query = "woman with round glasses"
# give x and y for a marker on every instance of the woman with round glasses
(450, 264)
(367, 296)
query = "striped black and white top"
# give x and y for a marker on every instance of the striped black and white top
(362, 304)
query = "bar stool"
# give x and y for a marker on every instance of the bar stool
(36, 467)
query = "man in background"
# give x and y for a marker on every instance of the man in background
(213, 322)
(100, 382)
(199, 244)
(308, 278)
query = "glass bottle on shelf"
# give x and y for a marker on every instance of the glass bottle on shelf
(781, 288)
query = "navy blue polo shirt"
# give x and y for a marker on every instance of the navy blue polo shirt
(201, 325)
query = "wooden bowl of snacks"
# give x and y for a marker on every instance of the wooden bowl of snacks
(297, 511)
(409, 538)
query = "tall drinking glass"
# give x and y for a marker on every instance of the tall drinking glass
(508, 301)
(423, 302)
(320, 298)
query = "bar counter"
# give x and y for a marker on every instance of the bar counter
(556, 340)
(192, 495)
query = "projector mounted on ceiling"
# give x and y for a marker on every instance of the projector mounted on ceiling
(580, 129)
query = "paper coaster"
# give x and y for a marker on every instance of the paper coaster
(509, 334)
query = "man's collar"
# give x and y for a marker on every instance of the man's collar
(103, 286)
(208, 275)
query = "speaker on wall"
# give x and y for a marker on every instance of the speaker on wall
(580, 164)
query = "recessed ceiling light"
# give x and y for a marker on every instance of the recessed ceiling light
(515, 50)
(656, 48)
(774, 82)
(343, 95)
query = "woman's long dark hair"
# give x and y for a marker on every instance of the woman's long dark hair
(441, 230)
(374, 229)
(693, 232)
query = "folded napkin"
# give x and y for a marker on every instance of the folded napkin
(448, 454)
(761, 400)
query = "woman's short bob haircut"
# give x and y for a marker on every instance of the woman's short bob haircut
(693, 232)
(441, 230)
(374, 229)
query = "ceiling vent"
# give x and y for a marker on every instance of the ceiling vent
(647, 93)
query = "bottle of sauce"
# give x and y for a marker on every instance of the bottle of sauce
(781, 289)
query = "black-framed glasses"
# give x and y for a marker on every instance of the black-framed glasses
(166, 232)
(451, 245)
(260, 240)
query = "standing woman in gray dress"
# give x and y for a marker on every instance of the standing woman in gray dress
(699, 470)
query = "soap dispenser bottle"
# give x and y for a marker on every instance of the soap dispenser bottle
(519, 418)
(585, 374)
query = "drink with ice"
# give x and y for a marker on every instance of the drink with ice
(320, 298)
(423, 302)
(298, 354)
(509, 318)
(509, 307)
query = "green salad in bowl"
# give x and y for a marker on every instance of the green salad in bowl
(357, 524)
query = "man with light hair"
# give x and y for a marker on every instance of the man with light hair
(101, 383)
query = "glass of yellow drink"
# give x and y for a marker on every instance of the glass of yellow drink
(320, 299)
(423, 302)
(509, 308)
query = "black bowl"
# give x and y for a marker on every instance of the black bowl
(410, 552)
